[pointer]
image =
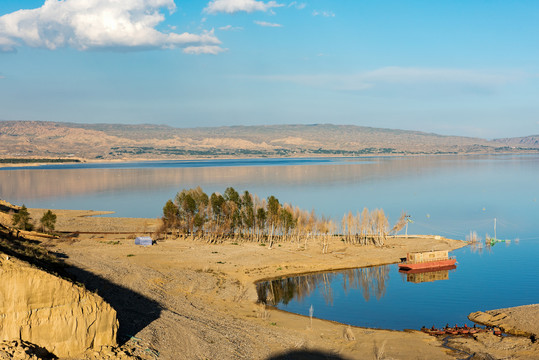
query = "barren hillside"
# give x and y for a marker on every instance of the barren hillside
(526, 141)
(31, 139)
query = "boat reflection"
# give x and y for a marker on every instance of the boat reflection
(425, 275)
(370, 281)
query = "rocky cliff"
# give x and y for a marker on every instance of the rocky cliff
(51, 312)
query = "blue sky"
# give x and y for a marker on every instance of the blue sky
(461, 67)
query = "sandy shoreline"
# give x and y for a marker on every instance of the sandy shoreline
(300, 260)
(183, 158)
(212, 288)
(187, 299)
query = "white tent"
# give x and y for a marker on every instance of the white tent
(144, 241)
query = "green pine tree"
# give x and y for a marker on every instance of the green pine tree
(48, 221)
(22, 219)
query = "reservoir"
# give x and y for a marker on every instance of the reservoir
(501, 276)
(445, 195)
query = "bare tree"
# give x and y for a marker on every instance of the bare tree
(401, 223)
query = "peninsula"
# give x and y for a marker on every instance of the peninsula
(184, 298)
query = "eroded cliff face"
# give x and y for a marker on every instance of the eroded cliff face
(51, 312)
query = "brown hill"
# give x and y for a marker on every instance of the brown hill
(520, 142)
(24, 139)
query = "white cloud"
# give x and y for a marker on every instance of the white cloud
(267, 24)
(95, 24)
(443, 75)
(299, 6)
(232, 6)
(203, 49)
(230, 28)
(323, 13)
(6, 44)
(438, 79)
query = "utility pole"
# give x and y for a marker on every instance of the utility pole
(408, 220)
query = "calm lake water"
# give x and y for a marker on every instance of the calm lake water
(445, 195)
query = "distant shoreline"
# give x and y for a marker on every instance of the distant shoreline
(80, 161)
(117, 142)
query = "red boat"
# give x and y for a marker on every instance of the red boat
(421, 271)
(427, 260)
(433, 331)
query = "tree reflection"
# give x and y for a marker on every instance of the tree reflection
(370, 281)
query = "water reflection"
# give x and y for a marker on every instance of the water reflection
(468, 189)
(31, 184)
(480, 246)
(369, 281)
(421, 275)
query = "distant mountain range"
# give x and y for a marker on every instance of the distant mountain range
(526, 141)
(36, 139)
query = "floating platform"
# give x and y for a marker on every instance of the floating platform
(427, 260)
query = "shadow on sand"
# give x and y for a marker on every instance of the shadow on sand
(134, 311)
(306, 355)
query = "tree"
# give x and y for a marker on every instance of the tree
(247, 211)
(233, 200)
(286, 218)
(170, 215)
(351, 226)
(187, 207)
(199, 221)
(247, 217)
(216, 214)
(22, 219)
(343, 226)
(401, 223)
(201, 213)
(381, 225)
(272, 215)
(232, 195)
(273, 210)
(48, 221)
(364, 227)
(217, 201)
(201, 198)
(260, 219)
(192, 206)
